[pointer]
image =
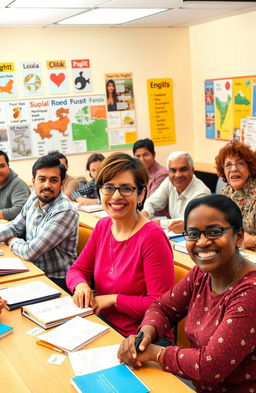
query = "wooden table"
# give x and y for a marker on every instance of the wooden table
(88, 220)
(25, 369)
(33, 271)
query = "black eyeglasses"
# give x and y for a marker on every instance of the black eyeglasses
(209, 233)
(123, 190)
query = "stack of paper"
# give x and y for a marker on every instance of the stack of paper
(72, 335)
(54, 312)
(33, 292)
(12, 265)
(90, 208)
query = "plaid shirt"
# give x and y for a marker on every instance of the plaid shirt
(48, 237)
(88, 190)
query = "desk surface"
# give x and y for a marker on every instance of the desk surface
(33, 271)
(88, 220)
(26, 369)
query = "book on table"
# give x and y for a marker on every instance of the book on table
(5, 330)
(118, 379)
(72, 335)
(54, 312)
(91, 208)
(11, 266)
(181, 246)
(33, 292)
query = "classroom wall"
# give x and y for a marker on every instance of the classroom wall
(223, 48)
(148, 53)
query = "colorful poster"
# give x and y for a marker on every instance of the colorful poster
(223, 109)
(82, 79)
(57, 76)
(31, 128)
(7, 80)
(121, 109)
(161, 111)
(242, 98)
(209, 109)
(32, 78)
(250, 132)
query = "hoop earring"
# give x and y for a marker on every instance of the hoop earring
(139, 204)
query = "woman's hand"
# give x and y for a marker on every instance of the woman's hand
(127, 352)
(103, 301)
(177, 226)
(2, 304)
(83, 295)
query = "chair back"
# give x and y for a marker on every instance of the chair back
(83, 236)
(181, 340)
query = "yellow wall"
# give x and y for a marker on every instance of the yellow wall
(222, 48)
(148, 53)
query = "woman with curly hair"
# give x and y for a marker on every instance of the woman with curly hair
(236, 164)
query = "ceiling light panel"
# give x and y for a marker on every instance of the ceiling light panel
(144, 4)
(109, 16)
(83, 4)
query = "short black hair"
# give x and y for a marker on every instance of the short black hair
(58, 154)
(229, 208)
(146, 143)
(2, 153)
(48, 161)
(94, 158)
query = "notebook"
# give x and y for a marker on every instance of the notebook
(54, 312)
(5, 330)
(90, 208)
(12, 265)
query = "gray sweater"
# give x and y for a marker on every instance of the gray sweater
(13, 195)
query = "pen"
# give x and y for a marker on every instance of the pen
(138, 340)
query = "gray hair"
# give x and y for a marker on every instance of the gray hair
(178, 154)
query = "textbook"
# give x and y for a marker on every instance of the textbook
(118, 379)
(181, 246)
(54, 312)
(90, 208)
(12, 265)
(5, 329)
(34, 292)
(72, 335)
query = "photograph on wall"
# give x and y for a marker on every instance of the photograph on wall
(57, 76)
(81, 73)
(121, 109)
(161, 111)
(32, 78)
(8, 86)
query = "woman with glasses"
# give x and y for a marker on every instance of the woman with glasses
(218, 298)
(129, 256)
(236, 164)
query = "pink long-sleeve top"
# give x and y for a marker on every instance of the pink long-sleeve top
(220, 327)
(139, 270)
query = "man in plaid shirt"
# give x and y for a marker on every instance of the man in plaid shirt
(46, 230)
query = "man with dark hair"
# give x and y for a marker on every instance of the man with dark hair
(13, 191)
(70, 184)
(46, 230)
(144, 150)
(87, 195)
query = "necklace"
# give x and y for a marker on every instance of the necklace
(235, 276)
(115, 260)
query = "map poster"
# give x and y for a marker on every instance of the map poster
(7, 80)
(89, 122)
(161, 111)
(242, 98)
(81, 72)
(121, 109)
(209, 109)
(32, 78)
(223, 109)
(57, 76)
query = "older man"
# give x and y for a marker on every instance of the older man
(176, 191)
(13, 191)
(45, 231)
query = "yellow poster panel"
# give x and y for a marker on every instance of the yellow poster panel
(161, 112)
(223, 109)
(242, 98)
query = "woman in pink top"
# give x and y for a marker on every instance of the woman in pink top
(130, 257)
(218, 296)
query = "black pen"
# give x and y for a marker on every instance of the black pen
(138, 339)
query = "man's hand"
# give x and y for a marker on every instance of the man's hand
(177, 226)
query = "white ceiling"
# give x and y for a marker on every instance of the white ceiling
(43, 13)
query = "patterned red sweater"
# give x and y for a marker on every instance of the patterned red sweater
(220, 327)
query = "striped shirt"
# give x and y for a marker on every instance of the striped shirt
(88, 191)
(46, 236)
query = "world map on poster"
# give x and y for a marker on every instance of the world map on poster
(32, 128)
(222, 107)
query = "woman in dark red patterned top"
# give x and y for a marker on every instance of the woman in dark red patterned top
(218, 297)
